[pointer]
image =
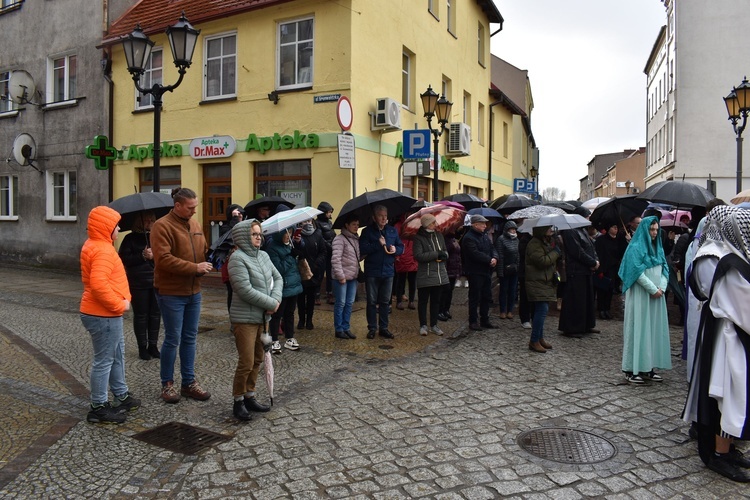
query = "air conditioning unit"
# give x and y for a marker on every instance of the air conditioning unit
(387, 114)
(459, 139)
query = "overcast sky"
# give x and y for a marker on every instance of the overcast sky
(585, 60)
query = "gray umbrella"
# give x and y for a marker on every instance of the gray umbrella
(535, 212)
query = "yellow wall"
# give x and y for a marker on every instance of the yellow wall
(358, 46)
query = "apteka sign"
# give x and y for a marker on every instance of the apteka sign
(220, 146)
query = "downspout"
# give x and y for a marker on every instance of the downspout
(107, 71)
(491, 142)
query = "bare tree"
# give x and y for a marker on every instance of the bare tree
(553, 194)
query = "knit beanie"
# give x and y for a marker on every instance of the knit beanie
(427, 219)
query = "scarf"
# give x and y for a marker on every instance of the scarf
(642, 253)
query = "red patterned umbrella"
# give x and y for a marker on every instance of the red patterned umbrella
(447, 220)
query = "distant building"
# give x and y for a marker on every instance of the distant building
(597, 173)
(696, 60)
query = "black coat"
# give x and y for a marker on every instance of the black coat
(140, 271)
(315, 250)
(580, 255)
(609, 250)
(476, 252)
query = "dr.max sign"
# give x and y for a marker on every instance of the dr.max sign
(219, 146)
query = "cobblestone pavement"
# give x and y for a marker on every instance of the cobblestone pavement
(414, 417)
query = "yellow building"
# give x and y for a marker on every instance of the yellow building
(256, 113)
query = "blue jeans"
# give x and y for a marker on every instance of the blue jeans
(108, 367)
(537, 323)
(342, 309)
(378, 296)
(180, 314)
(508, 288)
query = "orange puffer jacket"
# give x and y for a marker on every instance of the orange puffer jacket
(105, 284)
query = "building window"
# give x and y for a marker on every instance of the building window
(450, 13)
(480, 44)
(480, 124)
(221, 66)
(432, 7)
(62, 79)
(288, 179)
(407, 84)
(169, 178)
(467, 108)
(5, 103)
(62, 190)
(506, 137)
(446, 88)
(295, 54)
(151, 75)
(8, 197)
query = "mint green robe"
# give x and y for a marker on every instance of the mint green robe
(646, 327)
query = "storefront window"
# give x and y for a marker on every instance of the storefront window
(288, 179)
(169, 178)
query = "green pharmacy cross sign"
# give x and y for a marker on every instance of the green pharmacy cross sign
(101, 152)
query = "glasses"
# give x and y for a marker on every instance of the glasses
(256, 235)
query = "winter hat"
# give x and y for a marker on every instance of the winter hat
(478, 218)
(427, 219)
(509, 225)
(324, 207)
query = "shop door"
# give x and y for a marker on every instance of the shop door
(217, 192)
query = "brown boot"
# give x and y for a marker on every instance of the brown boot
(502, 316)
(545, 344)
(536, 347)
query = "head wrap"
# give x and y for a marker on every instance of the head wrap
(642, 253)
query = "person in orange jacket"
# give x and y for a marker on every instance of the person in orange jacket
(106, 296)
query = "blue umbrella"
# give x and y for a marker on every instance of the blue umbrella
(490, 213)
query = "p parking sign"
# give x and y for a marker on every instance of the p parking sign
(416, 144)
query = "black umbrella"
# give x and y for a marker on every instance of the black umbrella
(617, 211)
(220, 248)
(564, 205)
(421, 203)
(469, 201)
(362, 206)
(132, 206)
(271, 202)
(514, 202)
(575, 203)
(678, 193)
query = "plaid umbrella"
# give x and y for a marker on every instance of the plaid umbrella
(447, 219)
(535, 212)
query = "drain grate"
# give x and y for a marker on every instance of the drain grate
(181, 438)
(385, 347)
(568, 446)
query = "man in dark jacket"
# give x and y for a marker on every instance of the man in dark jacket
(379, 244)
(578, 314)
(326, 227)
(479, 260)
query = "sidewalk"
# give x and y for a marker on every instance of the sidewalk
(453, 417)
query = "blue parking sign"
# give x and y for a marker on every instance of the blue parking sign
(416, 144)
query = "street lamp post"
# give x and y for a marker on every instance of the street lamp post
(533, 172)
(182, 39)
(738, 107)
(440, 109)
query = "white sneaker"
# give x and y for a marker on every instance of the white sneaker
(526, 325)
(276, 347)
(436, 330)
(423, 330)
(291, 344)
(458, 283)
(466, 284)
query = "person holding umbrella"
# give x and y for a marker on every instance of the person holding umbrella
(542, 254)
(258, 286)
(380, 244)
(180, 249)
(234, 215)
(431, 254)
(138, 259)
(508, 260)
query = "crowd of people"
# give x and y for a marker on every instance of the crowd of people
(160, 264)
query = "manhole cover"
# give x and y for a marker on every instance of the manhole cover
(385, 347)
(568, 446)
(181, 438)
